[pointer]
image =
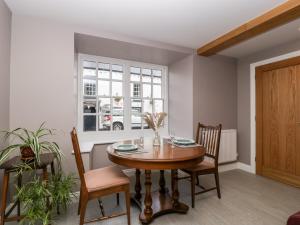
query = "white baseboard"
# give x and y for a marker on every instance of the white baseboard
(227, 167)
(236, 165)
(245, 167)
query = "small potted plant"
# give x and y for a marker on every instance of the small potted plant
(31, 143)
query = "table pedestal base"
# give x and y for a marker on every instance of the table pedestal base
(162, 204)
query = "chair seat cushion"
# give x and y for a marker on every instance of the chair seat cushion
(206, 164)
(294, 219)
(104, 178)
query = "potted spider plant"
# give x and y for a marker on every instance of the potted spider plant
(38, 197)
(30, 143)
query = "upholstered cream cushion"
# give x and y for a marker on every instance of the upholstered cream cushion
(206, 164)
(104, 178)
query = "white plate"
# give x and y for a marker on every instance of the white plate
(183, 141)
(125, 147)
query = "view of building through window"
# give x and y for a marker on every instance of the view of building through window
(110, 104)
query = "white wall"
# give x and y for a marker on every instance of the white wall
(181, 97)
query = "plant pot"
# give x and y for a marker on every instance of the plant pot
(26, 153)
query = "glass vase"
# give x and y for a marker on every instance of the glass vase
(156, 140)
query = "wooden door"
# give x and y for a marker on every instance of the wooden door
(278, 121)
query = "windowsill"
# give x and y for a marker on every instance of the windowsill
(87, 140)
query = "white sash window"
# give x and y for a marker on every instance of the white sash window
(113, 94)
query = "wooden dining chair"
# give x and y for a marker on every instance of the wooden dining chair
(209, 137)
(99, 182)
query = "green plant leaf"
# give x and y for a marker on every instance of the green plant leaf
(35, 140)
(4, 154)
(39, 196)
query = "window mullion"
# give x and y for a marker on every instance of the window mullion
(127, 98)
(153, 110)
(80, 94)
(97, 100)
(111, 98)
(142, 98)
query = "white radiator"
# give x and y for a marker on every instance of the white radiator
(228, 146)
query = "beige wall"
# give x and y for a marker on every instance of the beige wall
(215, 91)
(42, 84)
(181, 97)
(5, 35)
(93, 45)
(202, 89)
(42, 70)
(243, 71)
(42, 77)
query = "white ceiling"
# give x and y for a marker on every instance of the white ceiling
(187, 23)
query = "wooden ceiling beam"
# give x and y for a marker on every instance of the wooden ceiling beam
(284, 13)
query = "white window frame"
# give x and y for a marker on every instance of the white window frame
(115, 135)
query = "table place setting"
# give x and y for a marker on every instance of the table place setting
(128, 149)
(182, 142)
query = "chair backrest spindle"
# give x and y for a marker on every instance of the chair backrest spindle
(209, 137)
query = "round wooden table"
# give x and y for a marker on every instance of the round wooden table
(160, 158)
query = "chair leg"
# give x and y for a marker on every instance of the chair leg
(101, 206)
(79, 204)
(193, 177)
(4, 197)
(84, 201)
(127, 193)
(218, 184)
(19, 203)
(53, 174)
(198, 183)
(118, 198)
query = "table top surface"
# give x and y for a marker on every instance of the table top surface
(11, 164)
(158, 157)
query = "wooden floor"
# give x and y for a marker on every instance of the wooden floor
(246, 200)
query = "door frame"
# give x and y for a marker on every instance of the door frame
(253, 101)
